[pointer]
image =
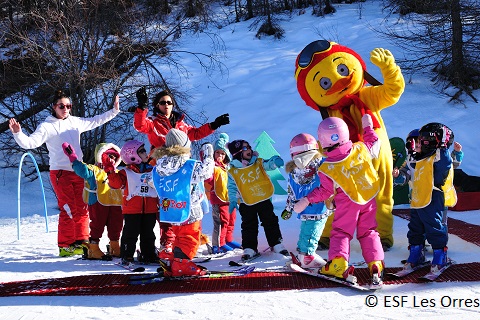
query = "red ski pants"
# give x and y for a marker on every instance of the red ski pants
(105, 216)
(73, 219)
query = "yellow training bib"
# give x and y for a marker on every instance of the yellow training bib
(105, 195)
(253, 182)
(220, 180)
(355, 174)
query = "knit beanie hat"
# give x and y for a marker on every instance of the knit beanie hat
(176, 137)
(221, 144)
(235, 148)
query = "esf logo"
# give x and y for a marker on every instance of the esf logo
(170, 203)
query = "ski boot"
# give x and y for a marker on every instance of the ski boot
(66, 251)
(126, 261)
(114, 248)
(310, 260)
(234, 244)
(167, 252)
(280, 248)
(94, 253)
(184, 267)
(439, 260)
(78, 247)
(338, 268)
(376, 268)
(248, 254)
(416, 257)
(222, 249)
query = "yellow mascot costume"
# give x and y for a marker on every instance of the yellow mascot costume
(332, 79)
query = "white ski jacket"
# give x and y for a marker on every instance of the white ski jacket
(54, 132)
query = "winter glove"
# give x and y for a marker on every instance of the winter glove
(220, 121)
(301, 205)
(367, 121)
(206, 151)
(286, 214)
(108, 163)
(278, 162)
(69, 151)
(112, 154)
(232, 206)
(142, 98)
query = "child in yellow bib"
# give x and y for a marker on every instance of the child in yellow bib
(249, 185)
(104, 203)
(348, 175)
(432, 192)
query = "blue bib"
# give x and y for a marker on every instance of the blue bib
(174, 193)
(302, 190)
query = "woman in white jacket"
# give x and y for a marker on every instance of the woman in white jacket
(58, 128)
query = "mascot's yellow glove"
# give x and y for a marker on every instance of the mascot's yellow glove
(382, 58)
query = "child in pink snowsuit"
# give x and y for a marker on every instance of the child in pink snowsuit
(348, 174)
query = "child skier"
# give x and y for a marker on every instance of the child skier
(223, 221)
(104, 203)
(249, 183)
(140, 202)
(432, 192)
(348, 174)
(303, 178)
(179, 183)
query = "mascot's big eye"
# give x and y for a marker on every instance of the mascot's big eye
(325, 83)
(343, 70)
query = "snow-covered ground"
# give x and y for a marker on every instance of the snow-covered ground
(259, 94)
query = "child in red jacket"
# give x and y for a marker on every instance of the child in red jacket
(140, 201)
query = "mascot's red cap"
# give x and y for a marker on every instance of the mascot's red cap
(311, 55)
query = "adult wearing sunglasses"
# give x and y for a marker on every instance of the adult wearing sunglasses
(156, 128)
(60, 127)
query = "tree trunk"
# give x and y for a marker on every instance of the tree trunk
(459, 76)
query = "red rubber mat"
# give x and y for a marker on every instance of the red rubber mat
(117, 284)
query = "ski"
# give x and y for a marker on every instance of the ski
(137, 280)
(130, 267)
(433, 275)
(314, 273)
(407, 269)
(243, 262)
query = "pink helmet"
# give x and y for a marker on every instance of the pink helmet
(129, 152)
(332, 131)
(302, 142)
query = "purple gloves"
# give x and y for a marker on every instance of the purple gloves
(69, 151)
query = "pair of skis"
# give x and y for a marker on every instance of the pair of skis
(160, 277)
(431, 276)
(350, 282)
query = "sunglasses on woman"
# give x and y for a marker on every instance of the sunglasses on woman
(165, 103)
(62, 106)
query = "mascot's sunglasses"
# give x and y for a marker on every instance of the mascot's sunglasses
(306, 56)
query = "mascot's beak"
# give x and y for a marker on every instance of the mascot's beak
(340, 85)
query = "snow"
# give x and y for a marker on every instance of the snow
(260, 95)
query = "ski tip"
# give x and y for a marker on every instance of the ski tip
(139, 269)
(234, 264)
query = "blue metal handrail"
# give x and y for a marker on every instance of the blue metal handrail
(18, 192)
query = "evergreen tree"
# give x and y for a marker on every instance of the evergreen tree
(264, 146)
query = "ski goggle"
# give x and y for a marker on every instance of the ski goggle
(306, 56)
